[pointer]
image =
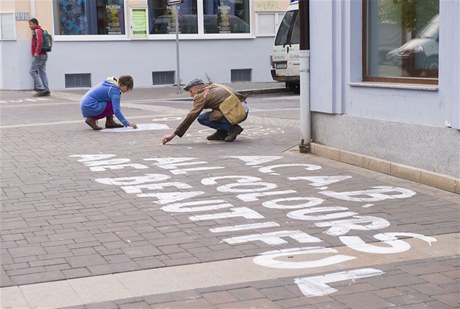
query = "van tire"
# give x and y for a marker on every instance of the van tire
(294, 87)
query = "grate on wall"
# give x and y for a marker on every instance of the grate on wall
(81, 80)
(241, 75)
(163, 77)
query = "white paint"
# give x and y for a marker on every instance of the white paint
(92, 157)
(252, 197)
(117, 167)
(367, 205)
(107, 162)
(169, 162)
(140, 127)
(269, 169)
(171, 197)
(166, 118)
(240, 179)
(319, 181)
(302, 214)
(375, 194)
(196, 206)
(269, 259)
(358, 223)
(154, 186)
(135, 180)
(276, 204)
(389, 239)
(317, 286)
(244, 212)
(255, 160)
(236, 187)
(274, 238)
(195, 169)
(243, 227)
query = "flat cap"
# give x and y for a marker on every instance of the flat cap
(192, 83)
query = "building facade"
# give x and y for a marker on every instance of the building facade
(385, 79)
(220, 39)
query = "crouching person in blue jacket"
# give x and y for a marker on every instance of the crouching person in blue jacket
(103, 100)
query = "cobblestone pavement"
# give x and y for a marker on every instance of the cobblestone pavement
(117, 220)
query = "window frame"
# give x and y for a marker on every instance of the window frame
(399, 80)
(163, 37)
(93, 37)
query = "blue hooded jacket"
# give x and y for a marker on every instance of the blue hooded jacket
(95, 100)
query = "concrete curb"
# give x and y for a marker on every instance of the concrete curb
(425, 177)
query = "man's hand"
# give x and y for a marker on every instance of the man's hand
(168, 138)
(133, 125)
(36, 55)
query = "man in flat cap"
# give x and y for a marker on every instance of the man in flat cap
(227, 110)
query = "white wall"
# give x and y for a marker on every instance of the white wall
(416, 125)
(139, 59)
(336, 64)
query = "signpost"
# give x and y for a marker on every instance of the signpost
(177, 3)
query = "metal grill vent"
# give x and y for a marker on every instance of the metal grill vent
(82, 80)
(241, 75)
(162, 78)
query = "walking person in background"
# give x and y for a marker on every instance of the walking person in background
(38, 69)
(103, 101)
(227, 110)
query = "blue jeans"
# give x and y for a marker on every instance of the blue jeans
(221, 124)
(38, 72)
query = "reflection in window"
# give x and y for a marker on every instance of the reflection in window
(402, 38)
(83, 17)
(283, 36)
(163, 17)
(226, 16)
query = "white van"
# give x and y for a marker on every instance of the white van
(285, 56)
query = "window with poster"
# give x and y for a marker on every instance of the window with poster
(200, 17)
(89, 17)
(401, 41)
(163, 17)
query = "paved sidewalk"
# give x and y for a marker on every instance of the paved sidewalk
(117, 220)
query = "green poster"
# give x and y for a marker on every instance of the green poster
(139, 23)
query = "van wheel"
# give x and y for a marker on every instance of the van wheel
(294, 87)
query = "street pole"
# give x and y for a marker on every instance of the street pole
(177, 51)
(304, 57)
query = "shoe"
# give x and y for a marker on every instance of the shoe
(219, 135)
(110, 123)
(235, 130)
(92, 123)
(38, 90)
(42, 93)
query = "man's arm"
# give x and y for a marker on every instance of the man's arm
(40, 41)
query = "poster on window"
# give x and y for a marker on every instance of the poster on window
(139, 23)
(223, 18)
(113, 12)
(73, 17)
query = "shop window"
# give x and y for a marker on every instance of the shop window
(215, 16)
(89, 17)
(401, 40)
(163, 17)
(226, 16)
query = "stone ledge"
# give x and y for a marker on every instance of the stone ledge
(425, 177)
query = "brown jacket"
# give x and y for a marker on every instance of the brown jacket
(208, 96)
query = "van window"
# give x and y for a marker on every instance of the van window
(283, 36)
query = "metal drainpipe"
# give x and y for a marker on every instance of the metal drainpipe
(304, 57)
(32, 8)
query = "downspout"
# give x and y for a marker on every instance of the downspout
(304, 58)
(32, 9)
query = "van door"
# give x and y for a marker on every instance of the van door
(285, 57)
